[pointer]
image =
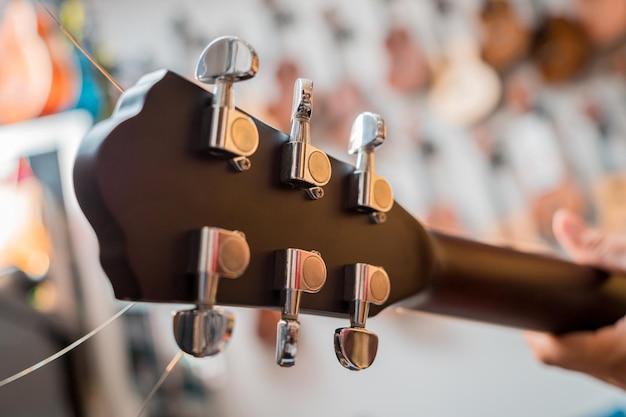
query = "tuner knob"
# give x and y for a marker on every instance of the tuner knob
(355, 346)
(303, 165)
(297, 271)
(205, 330)
(224, 62)
(369, 192)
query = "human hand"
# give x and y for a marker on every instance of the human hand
(600, 353)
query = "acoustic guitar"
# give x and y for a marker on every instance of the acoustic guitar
(465, 89)
(506, 37)
(176, 221)
(26, 73)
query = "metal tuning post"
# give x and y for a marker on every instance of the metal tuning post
(355, 346)
(224, 62)
(369, 192)
(303, 165)
(205, 330)
(297, 271)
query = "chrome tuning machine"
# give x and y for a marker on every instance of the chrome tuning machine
(369, 192)
(205, 330)
(355, 346)
(303, 165)
(223, 62)
(297, 271)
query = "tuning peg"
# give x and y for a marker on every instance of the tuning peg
(297, 271)
(368, 192)
(223, 62)
(303, 165)
(355, 346)
(205, 330)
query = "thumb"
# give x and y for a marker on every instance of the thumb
(589, 245)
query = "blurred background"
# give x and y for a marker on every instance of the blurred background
(498, 113)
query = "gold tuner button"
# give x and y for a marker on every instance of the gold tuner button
(303, 165)
(369, 192)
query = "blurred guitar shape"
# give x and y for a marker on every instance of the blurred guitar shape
(465, 89)
(66, 74)
(39, 75)
(26, 70)
(506, 39)
(603, 20)
(561, 49)
(408, 70)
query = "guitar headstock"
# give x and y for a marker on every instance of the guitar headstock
(155, 183)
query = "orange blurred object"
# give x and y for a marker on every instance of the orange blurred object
(408, 70)
(66, 76)
(26, 70)
(25, 243)
(39, 74)
(603, 20)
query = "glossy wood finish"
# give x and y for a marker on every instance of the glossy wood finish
(145, 186)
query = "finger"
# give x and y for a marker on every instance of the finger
(550, 350)
(589, 245)
(601, 353)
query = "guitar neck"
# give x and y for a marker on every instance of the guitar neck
(503, 286)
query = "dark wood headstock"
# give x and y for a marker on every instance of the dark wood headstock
(146, 186)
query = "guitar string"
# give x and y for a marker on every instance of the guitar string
(81, 48)
(168, 370)
(175, 360)
(65, 350)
